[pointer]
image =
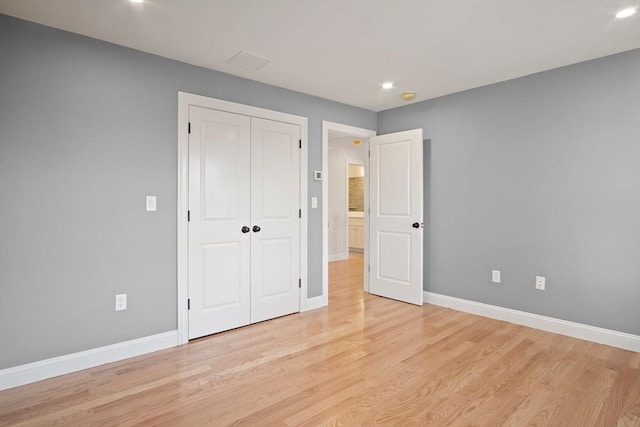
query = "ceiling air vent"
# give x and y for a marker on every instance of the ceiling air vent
(248, 61)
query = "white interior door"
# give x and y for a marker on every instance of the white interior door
(219, 205)
(275, 220)
(396, 221)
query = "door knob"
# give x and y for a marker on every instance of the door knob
(256, 228)
(246, 229)
(416, 225)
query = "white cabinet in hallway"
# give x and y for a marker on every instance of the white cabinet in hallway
(356, 234)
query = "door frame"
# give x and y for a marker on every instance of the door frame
(365, 134)
(184, 101)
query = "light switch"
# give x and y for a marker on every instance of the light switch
(314, 202)
(151, 203)
(495, 276)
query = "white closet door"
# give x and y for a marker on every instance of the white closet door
(275, 201)
(395, 236)
(219, 205)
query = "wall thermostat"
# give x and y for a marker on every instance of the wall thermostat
(317, 175)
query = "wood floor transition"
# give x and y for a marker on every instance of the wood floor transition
(362, 361)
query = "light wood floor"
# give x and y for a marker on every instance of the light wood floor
(364, 360)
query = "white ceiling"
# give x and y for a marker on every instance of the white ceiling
(339, 141)
(343, 50)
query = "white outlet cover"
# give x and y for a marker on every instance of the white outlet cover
(495, 276)
(540, 283)
(314, 202)
(121, 302)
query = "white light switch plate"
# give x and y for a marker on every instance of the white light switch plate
(495, 276)
(151, 204)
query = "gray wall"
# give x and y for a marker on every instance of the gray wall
(537, 176)
(87, 129)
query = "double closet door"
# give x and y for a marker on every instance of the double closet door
(244, 221)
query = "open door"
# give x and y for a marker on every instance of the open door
(396, 221)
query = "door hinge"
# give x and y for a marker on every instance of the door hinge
(188, 303)
(369, 153)
(369, 269)
(189, 128)
(299, 143)
(300, 283)
(299, 213)
(188, 216)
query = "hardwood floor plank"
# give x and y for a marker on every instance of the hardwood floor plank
(361, 361)
(625, 378)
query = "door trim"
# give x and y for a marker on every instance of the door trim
(184, 101)
(352, 131)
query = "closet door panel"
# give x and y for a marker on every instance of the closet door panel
(219, 205)
(275, 201)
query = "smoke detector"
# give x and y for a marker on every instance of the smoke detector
(408, 96)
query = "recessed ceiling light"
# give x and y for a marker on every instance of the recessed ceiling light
(136, 1)
(387, 85)
(625, 13)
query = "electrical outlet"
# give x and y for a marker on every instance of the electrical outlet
(495, 276)
(540, 283)
(121, 302)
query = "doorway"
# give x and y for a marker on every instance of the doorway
(344, 148)
(356, 193)
(393, 218)
(345, 197)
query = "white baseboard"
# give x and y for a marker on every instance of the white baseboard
(314, 302)
(545, 323)
(49, 368)
(338, 257)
